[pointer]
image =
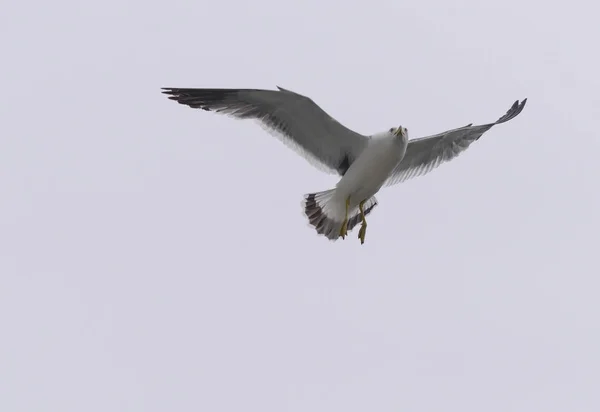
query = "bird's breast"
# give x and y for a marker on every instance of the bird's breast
(371, 169)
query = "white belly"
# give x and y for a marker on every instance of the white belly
(369, 172)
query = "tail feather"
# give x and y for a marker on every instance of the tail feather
(326, 214)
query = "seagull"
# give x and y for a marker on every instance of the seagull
(366, 163)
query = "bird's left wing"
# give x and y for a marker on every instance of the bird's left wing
(425, 154)
(292, 117)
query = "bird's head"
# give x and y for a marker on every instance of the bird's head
(400, 132)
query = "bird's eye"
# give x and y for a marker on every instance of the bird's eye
(392, 130)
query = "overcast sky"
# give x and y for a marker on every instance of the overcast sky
(155, 257)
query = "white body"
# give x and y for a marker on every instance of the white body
(369, 171)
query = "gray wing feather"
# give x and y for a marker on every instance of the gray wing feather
(427, 153)
(295, 119)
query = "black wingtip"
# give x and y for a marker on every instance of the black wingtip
(514, 110)
(522, 104)
(172, 93)
(169, 92)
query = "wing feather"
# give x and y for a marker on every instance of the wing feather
(295, 119)
(427, 153)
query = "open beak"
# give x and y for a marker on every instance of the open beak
(398, 131)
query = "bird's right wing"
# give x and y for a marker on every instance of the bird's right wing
(294, 118)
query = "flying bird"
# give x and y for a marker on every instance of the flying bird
(366, 163)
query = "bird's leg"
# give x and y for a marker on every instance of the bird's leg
(363, 227)
(344, 229)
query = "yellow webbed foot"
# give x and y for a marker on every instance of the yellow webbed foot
(362, 232)
(363, 227)
(344, 228)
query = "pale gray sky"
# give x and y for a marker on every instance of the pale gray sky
(155, 257)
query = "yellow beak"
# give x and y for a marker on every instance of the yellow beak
(398, 131)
